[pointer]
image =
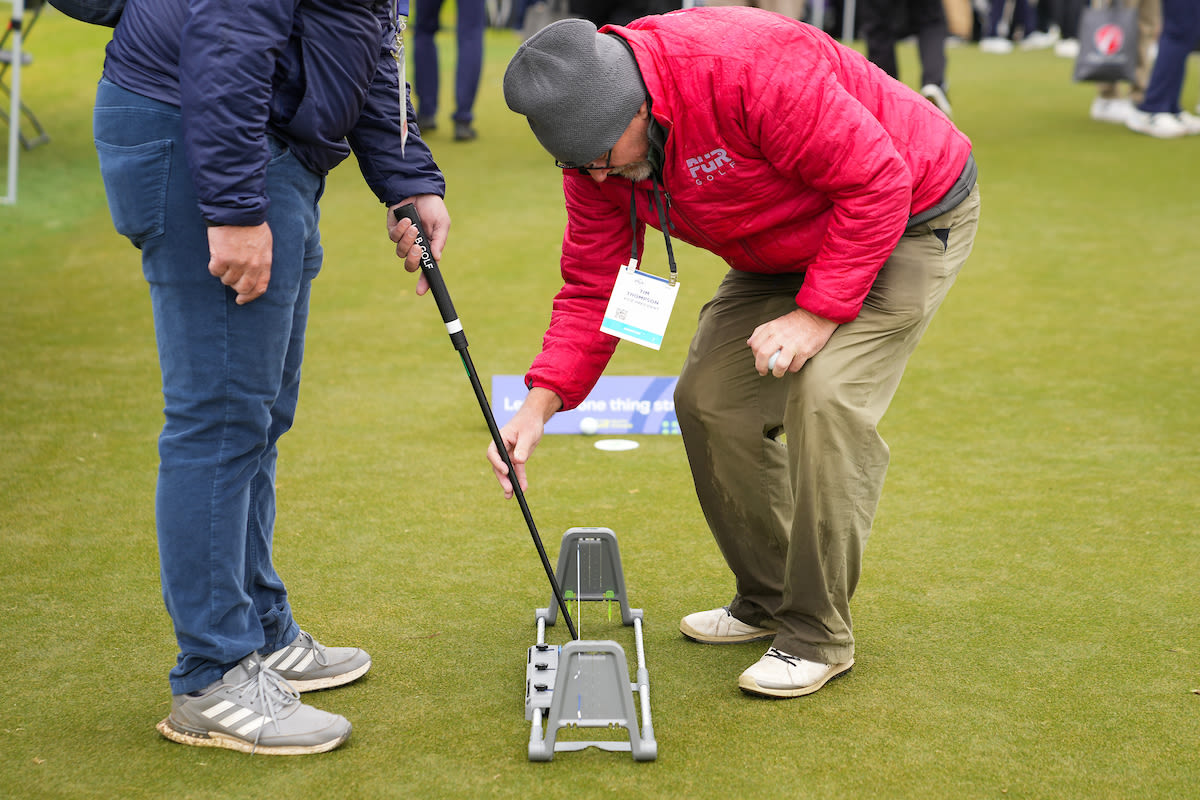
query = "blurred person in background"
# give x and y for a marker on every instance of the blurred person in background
(1160, 114)
(1004, 19)
(469, 25)
(883, 22)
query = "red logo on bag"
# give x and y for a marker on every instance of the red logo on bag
(1109, 39)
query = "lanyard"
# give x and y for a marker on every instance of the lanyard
(663, 222)
(401, 78)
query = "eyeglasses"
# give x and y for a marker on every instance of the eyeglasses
(586, 168)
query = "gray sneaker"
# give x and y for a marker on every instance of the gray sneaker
(308, 665)
(253, 710)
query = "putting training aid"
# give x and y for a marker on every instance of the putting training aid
(437, 285)
(585, 684)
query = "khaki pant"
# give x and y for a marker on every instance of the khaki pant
(791, 513)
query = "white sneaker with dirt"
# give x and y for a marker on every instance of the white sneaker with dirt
(308, 665)
(253, 710)
(1160, 125)
(720, 627)
(1115, 110)
(778, 674)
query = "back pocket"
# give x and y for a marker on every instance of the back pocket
(135, 182)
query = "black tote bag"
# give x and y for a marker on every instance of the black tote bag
(1108, 44)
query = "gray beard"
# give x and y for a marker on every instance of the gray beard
(638, 171)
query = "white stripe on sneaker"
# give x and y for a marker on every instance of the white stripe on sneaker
(293, 654)
(303, 665)
(251, 726)
(218, 709)
(238, 714)
(235, 717)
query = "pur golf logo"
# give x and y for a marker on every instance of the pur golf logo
(709, 166)
(1109, 39)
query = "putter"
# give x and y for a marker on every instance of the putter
(437, 285)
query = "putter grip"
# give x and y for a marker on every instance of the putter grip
(433, 275)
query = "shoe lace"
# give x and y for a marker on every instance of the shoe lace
(268, 691)
(317, 648)
(791, 661)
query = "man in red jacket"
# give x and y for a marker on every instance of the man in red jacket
(845, 205)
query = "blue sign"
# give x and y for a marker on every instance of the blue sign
(619, 405)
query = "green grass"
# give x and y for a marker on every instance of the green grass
(1027, 619)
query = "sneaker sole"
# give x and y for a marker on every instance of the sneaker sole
(330, 681)
(750, 686)
(226, 742)
(696, 636)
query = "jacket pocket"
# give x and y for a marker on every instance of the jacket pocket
(135, 183)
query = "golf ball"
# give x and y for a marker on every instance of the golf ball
(588, 425)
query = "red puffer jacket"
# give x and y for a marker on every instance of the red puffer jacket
(786, 152)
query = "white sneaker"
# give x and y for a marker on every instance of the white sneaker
(778, 674)
(934, 94)
(720, 627)
(995, 44)
(1160, 125)
(1111, 110)
(1190, 122)
(1040, 40)
(1067, 48)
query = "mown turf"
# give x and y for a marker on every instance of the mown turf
(1027, 619)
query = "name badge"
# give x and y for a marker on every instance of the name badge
(640, 307)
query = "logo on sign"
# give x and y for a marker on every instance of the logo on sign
(1109, 39)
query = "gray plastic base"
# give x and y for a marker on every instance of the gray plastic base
(585, 684)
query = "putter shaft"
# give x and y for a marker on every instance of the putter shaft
(437, 285)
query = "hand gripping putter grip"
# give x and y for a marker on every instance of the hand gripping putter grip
(437, 285)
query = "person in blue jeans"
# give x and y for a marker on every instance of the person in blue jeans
(469, 28)
(1160, 114)
(214, 158)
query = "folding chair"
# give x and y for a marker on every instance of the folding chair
(33, 10)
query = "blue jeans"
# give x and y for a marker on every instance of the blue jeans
(230, 377)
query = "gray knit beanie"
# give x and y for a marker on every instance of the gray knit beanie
(578, 88)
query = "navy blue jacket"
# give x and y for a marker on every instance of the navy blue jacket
(318, 74)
